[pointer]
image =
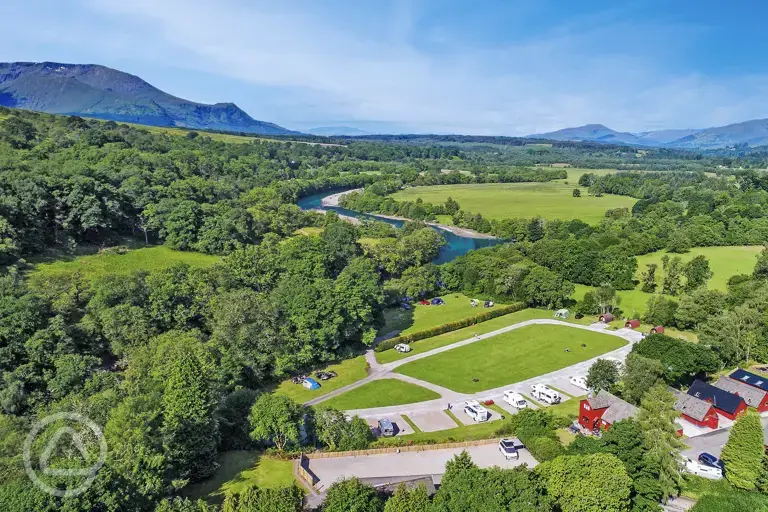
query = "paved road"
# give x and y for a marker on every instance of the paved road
(714, 442)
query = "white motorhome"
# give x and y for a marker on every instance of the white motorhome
(477, 412)
(516, 400)
(696, 468)
(545, 394)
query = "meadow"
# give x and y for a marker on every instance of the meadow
(381, 393)
(349, 371)
(510, 357)
(551, 200)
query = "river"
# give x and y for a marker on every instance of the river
(457, 245)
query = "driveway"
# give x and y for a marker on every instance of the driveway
(714, 442)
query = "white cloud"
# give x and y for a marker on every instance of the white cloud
(324, 64)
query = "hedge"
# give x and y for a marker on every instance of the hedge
(449, 327)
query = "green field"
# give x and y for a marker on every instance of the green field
(552, 200)
(724, 262)
(425, 345)
(381, 393)
(351, 370)
(420, 317)
(117, 262)
(510, 357)
(240, 469)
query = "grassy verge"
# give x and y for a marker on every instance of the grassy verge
(381, 393)
(453, 417)
(569, 408)
(410, 423)
(511, 357)
(459, 434)
(239, 469)
(349, 371)
(721, 496)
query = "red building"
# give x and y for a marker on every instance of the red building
(696, 411)
(632, 324)
(726, 403)
(754, 397)
(603, 410)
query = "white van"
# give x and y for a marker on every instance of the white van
(702, 470)
(477, 412)
(545, 394)
(516, 400)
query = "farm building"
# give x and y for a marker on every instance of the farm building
(696, 411)
(753, 379)
(657, 330)
(754, 397)
(603, 410)
(726, 403)
(606, 318)
(632, 324)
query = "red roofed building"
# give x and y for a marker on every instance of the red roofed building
(696, 411)
(754, 397)
(604, 410)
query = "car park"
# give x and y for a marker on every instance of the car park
(477, 412)
(516, 400)
(508, 449)
(580, 382)
(403, 348)
(710, 460)
(545, 394)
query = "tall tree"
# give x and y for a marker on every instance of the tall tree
(696, 272)
(671, 283)
(606, 298)
(649, 278)
(744, 452)
(640, 375)
(657, 419)
(351, 495)
(603, 374)
(276, 418)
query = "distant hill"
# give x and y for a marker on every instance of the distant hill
(96, 91)
(328, 131)
(750, 133)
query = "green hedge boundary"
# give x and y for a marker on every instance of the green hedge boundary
(449, 327)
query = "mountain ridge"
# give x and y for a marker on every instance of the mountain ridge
(92, 90)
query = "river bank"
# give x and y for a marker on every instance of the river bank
(333, 199)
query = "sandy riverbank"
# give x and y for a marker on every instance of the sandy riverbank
(467, 233)
(333, 199)
(351, 220)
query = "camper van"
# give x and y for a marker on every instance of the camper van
(386, 429)
(545, 394)
(516, 400)
(477, 412)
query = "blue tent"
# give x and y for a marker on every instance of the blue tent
(310, 384)
(437, 301)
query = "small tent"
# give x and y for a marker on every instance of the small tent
(606, 318)
(311, 384)
(632, 324)
(562, 313)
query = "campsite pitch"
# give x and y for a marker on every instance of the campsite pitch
(511, 357)
(381, 393)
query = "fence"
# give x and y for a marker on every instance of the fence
(396, 449)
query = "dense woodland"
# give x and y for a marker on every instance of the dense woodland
(176, 364)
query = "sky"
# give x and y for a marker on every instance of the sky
(504, 67)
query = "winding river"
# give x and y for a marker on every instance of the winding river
(457, 245)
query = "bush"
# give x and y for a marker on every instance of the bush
(545, 448)
(449, 327)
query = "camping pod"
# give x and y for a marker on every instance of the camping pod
(606, 318)
(657, 330)
(632, 324)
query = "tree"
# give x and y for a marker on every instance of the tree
(696, 272)
(338, 433)
(341, 245)
(696, 308)
(451, 206)
(680, 359)
(733, 334)
(542, 287)
(606, 298)
(660, 310)
(649, 278)
(603, 374)
(670, 284)
(403, 500)
(276, 418)
(351, 495)
(588, 304)
(744, 452)
(761, 267)
(576, 192)
(640, 375)
(657, 419)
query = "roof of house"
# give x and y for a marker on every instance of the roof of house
(752, 395)
(691, 406)
(618, 409)
(750, 378)
(720, 398)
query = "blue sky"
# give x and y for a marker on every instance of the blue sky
(481, 67)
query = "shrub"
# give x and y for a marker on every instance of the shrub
(545, 448)
(449, 327)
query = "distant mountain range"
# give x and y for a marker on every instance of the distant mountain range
(96, 91)
(329, 131)
(750, 133)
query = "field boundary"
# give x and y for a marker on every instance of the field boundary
(398, 449)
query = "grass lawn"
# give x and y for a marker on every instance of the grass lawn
(510, 357)
(381, 393)
(569, 408)
(309, 231)
(551, 200)
(113, 262)
(420, 317)
(350, 370)
(417, 347)
(238, 470)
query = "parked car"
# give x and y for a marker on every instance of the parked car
(386, 428)
(477, 412)
(507, 448)
(424, 302)
(702, 470)
(325, 375)
(516, 400)
(580, 382)
(437, 301)
(545, 394)
(403, 348)
(710, 460)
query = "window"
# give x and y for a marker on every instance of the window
(586, 407)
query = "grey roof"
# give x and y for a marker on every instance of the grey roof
(752, 395)
(618, 409)
(691, 406)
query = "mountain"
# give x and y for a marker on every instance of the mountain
(750, 133)
(96, 91)
(328, 131)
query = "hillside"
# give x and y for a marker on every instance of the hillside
(104, 93)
